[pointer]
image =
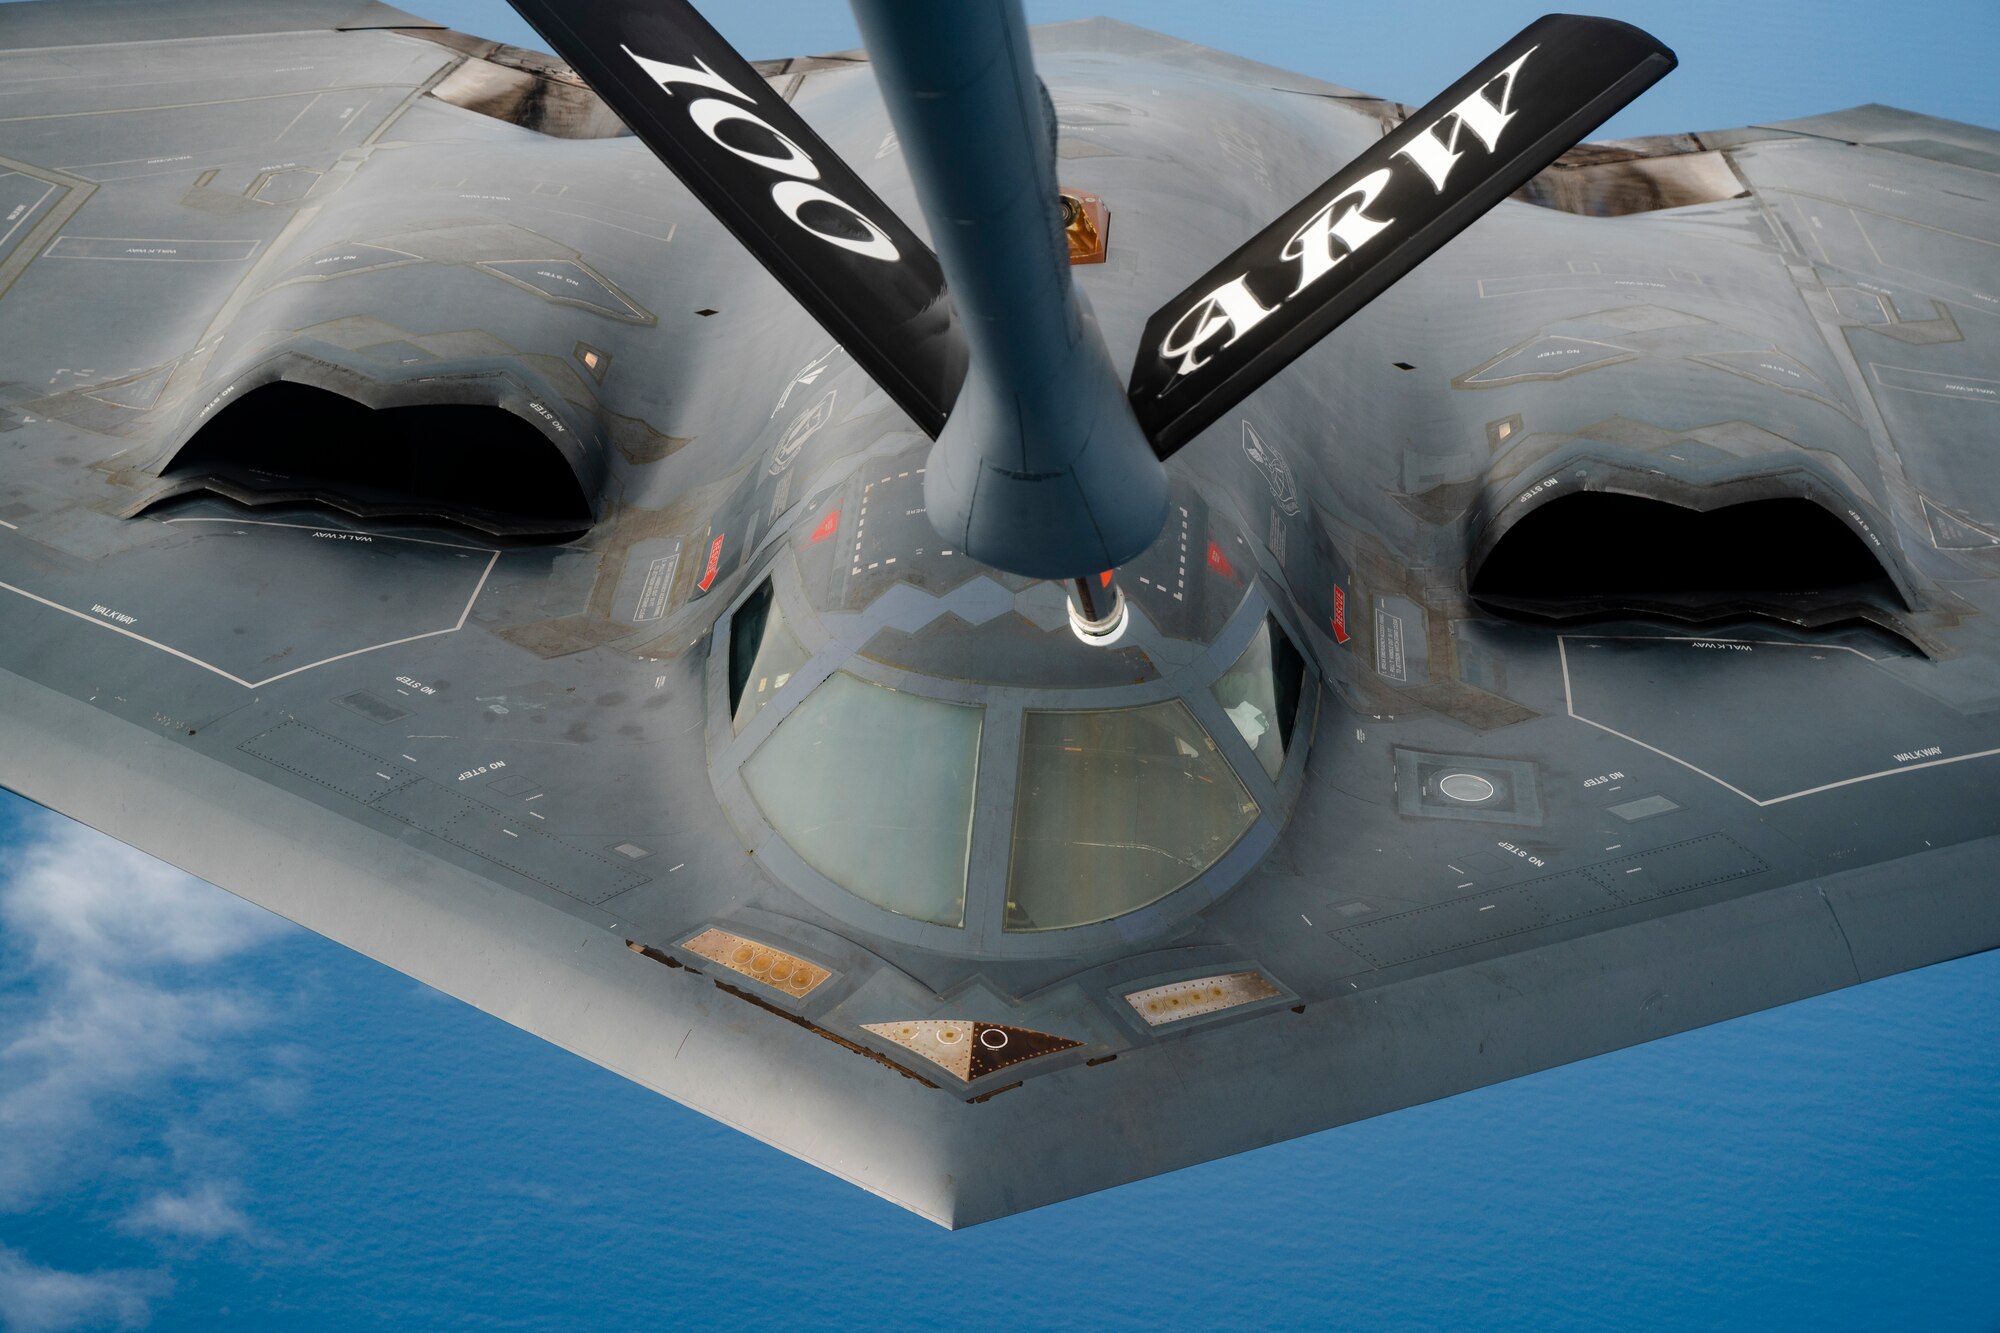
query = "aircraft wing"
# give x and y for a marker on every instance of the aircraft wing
(419, 516)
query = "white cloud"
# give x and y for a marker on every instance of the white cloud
(111, 945)
(201, 1214)
(83, 900)
(108, 993)
(34, 1299)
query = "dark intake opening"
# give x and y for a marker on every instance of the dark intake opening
(478, 465)
(1596, 551)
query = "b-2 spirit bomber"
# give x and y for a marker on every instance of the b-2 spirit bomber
(670, 551)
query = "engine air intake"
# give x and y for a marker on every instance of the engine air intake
(1598, 553)
(478, 465)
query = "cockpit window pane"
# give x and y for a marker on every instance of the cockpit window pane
(1116, 809)
(763, 654)
(872, 787)
(1260, 693)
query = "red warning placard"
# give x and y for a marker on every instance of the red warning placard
(714, 562)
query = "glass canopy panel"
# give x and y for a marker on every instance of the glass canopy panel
(872, 787)
(1117, 809)
(1260, 693)
(763, 654)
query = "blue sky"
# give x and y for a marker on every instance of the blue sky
(1740, 63)
(210, 1119)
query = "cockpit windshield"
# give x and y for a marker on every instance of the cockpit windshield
(872, 787)
(1117, 809)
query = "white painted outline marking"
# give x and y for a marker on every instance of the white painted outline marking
(1930, 507)
(1619, 354)
(328, 527)
(301, 116)
(32, 210)
(189, 106)
(255, 244)
(463, 616)
(1569, 705)
(1986, 398)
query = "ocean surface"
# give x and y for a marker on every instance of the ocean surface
(312, 1141)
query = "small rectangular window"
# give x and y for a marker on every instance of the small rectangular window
(763, 655)
(1261, 695)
